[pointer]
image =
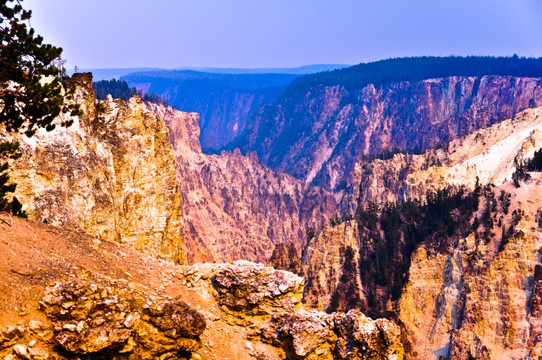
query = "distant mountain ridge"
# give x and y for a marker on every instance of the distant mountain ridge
(421, 68)
(117, 73)
(113, 73)
(300, 70)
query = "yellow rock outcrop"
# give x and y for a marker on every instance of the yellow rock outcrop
(111, 174)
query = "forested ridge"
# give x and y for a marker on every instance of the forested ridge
(419, 68)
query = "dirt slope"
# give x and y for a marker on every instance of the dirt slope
(250, 311)
(36, 255)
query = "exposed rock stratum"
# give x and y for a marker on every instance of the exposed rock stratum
(234, 207)
(467, 297)
(110, 174)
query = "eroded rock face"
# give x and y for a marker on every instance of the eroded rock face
(111, 174)
(319, 135)
(233, 207)
(255, 289)
(91, 319)
(330, 266)
(317, 335)
(268, 302)
(487, 155)
(473, 302)
(106, 320)
(478, 296)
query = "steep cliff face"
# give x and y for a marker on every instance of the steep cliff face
(224, 114)
(468, 294)
(111, 174)
(285, 257)
(475, 300)
(235, 208)
(330, 265)
(66, 295)
(318, 134)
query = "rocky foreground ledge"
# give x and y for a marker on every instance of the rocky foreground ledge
(105, 320)
(66, 295)
(268, 301)
(91, 318)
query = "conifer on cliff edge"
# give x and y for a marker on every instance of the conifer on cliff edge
(31, 93)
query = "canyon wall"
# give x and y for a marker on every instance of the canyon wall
(474, 294)
(119, 173)
(487, 156)
(235, 208)
(318, 133)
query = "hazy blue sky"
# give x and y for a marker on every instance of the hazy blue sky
(282, 33)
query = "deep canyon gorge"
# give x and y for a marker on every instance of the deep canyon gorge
(388, 220)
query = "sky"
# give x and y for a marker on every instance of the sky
(281, 33)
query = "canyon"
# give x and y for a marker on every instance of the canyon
(225, 102)
(395, 201)
(235, 208)
(120, 158)
(225, 98)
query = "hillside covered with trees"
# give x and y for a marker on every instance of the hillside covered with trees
(419, 68)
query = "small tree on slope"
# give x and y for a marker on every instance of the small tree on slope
(31, 95)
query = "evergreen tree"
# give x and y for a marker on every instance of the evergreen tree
(534, 164)
(31, 94)
(116, 88)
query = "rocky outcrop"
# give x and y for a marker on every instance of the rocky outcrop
(254, 289)
(318, 134)
(111, 174)
(315, 335)
(66, 295)
(268, 302)
(105, 319)
(233, 207)
(93, 320)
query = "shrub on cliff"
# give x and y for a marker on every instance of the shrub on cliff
(31, 93)
(9, 149)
